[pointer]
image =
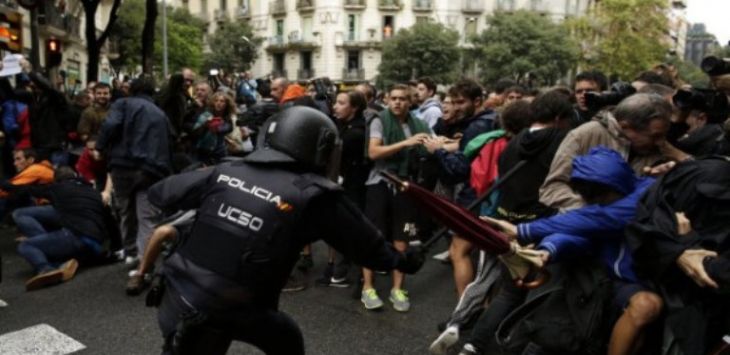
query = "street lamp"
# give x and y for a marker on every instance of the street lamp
(164, 39)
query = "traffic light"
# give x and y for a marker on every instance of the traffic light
(11, 31)
(54, 55)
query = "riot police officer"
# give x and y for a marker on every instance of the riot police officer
(223, 281)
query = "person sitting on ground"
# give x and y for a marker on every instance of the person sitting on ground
(30, 172)
(73, 227)
(91, 166)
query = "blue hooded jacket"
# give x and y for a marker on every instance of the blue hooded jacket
(593, 229)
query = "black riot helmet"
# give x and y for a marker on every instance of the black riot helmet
(299, 135)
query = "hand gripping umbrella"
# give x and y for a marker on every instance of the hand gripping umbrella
(468, 226)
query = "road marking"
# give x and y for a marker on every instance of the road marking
(41, 339)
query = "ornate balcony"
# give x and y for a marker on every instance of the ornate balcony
(389, 5)
(422, 5)
(355, 4)
(277, 8)
(353, 74)
(305, 5)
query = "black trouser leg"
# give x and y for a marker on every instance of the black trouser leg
(507, 299)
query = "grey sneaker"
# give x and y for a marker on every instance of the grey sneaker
(370, 299)
(400, 301)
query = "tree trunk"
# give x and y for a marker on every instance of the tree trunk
(92, 48)
(94, 44)
(148, 36)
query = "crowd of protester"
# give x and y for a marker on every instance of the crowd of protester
(622, 193)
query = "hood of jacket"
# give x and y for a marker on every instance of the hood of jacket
(605, 166)
(533, 143)
(432, 102)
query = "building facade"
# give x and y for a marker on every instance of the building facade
(342, 39)
(65, 21)
(699, 44)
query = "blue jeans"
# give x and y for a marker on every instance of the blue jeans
(47, 251)
(36, 220)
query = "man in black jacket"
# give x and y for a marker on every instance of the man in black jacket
(50, 120)
(135, 138)
(224, 279)
(75, 226)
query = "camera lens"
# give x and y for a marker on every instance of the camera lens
(714, 66)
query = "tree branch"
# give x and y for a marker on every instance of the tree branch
(112, 19)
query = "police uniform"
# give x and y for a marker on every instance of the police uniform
(224, 279)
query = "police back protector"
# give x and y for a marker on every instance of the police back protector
(243, 244)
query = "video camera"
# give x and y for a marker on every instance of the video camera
(714, 66)
(619, 91)
(711, 102)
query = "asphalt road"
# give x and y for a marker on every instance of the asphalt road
(93, 310)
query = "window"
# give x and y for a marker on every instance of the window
(470, 27)
(352, 31)
(306, 60)
(223, 4)
(279, 63)
(388, 26)
(280, 28)
(307, 29)
(353, 60)
(204, 6)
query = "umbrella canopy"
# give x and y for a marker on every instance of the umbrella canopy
(457, 218)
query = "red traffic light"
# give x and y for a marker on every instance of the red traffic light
(53, 45)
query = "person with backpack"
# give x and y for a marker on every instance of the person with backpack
(468, 99)
(612, 191)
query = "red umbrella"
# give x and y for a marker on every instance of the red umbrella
(520, 261)
(457, 218)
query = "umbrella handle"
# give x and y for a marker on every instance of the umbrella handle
(539, 278)
(395, 180)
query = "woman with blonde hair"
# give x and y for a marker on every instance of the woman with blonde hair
(211, 128)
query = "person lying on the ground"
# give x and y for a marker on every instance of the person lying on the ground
(76, 225)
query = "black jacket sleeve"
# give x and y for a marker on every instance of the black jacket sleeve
(180, 192)
(344, 227)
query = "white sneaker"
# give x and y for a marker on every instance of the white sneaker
(443, 256)
(446, 340)
(3, 304)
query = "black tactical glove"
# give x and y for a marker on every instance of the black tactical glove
(412, 260)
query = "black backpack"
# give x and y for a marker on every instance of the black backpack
(568, 315)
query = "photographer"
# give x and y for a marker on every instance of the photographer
(636, 129)
(703, 111)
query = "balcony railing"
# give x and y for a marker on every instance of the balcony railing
(278, 7)
(355, 4)
(58, 23)
(276, 41)
(473, 6)
(389, 5)
(305, 74)
(242, 12)
(422, 5)
(305, 5)
(353, 74)
(279, 73)
(220, 15)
